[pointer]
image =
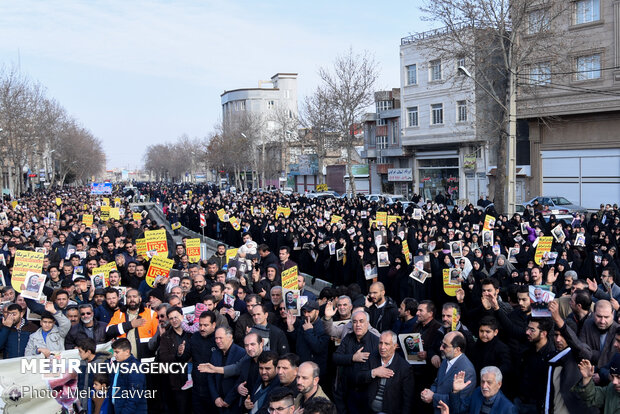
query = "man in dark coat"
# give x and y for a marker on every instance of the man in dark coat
(222, 388)
(267, 258)
(389, 378)
(201, 347)
(276, 339)
(383, 310)
(87, 327)
(128, 384)
(308, 336)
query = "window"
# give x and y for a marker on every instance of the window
(395, 132)
(587, 11)
(382, 142)
(271, 104)
(436, 114)
(460, 62)
(384, 105)
(588, 67)
(381, 122)
(412, 75)
(242, 105)
(412, 116)
(435, 67)
(538, 21)
(540, 74)
(461, 107)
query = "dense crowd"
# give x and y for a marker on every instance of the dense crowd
(431, 308)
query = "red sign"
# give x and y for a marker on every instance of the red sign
(426, 179)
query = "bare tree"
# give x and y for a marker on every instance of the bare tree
(317, 116)
(286, 124)
(349, 86)
(502, 38)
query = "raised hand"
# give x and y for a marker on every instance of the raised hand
(460, 295)
(459, 384)
(49, 306)
(181, 348)
(592, 286)
(587, 371)
(330, 310)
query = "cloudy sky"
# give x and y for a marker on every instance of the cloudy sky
(138, 72)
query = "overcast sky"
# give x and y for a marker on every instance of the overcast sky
(142, 72)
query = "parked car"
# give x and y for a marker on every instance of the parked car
(387, 198)
(558, 205)
(567, 218)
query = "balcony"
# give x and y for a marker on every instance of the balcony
(383, 168)
(392, 152)
(369, 153)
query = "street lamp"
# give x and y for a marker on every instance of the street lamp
(511, 159)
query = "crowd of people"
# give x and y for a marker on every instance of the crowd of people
(432, 308)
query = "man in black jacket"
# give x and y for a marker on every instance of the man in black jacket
(389, 378)
(350, 357)
(87, 327)
(490, 351)
(266, 258)
(173, 348)
(201, 347)
(273, 337)
(198, 293)
(383, 310)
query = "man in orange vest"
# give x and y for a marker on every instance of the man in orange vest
(136, 323)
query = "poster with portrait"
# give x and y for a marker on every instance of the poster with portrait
(580, 240)
(512, 254)
(340, 254)
(540, 297)
(2, 281)
(455, 276)
(456, 249)
(332, 248)
(524, 227)
(411, 344)
(419, 275)
(383, 259)
(98, 281)
(33, 285)
(370, 271)
(290, 290)
(558, 234)
(417, 214)
(487, 237)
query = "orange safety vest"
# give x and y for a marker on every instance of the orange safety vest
(145, 332)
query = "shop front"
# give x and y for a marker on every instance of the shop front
(439, 175)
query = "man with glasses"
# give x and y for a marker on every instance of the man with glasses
(454, 361)
(281, 401)
(87, 327)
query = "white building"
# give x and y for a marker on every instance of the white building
(440, 126)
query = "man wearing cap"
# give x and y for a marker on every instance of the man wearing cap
(307, 335)
(607, 398)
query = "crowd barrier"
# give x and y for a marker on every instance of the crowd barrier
(156, 213)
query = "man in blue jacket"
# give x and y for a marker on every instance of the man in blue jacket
(452, 347)
(128, 384)
(222, 389)
(15, 332)
(486, 398)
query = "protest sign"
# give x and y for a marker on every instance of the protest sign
(141, 247)
(160, 266)
(230, 253)
(489, 222)
(105, 213)
(449, 288)
(290, 290)
(87, 219)
(192, 247)
(234, 222)
(115, 213)
(544, 245)
(381, 218)
(137, 216)
(406, 251)
(105, 270)
(392, 219)
(335, 219)
(156, 240)
(25, 261)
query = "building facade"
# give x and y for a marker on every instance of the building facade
(273, 109)
(572, 107)
(443, 113)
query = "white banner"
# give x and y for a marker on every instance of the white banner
(400, 174)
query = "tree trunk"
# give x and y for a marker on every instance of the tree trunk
(499, 199)
(350, 169)
(320, 168)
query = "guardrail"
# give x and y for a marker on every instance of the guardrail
(157, 214)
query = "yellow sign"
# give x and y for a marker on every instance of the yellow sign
(449, 288)
(335, 219)
(286, 211)
(115, 213)
(105, 269)
(220, 214)
(192, 248)
(176, 226)
(156, 240)
(544, 246)
(230, 253)
(159, 266)
(406, 251)
(392, 219)
(141, 247)
(25, 261)
(14, 204)
(87, 219)
(105, 201)
(117, 202)
(105, 213)
(58, 201)
(489, 222)
(289, 279)
(381, 218)
(86, 207)
(137, 216)
(234, 221)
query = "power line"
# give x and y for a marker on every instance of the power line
(572, 88)
(573, 72)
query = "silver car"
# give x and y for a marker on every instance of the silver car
(561, 204)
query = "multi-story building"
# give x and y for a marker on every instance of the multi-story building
(449, 124)
(273, 105)
(383, 148)
(571, 103)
